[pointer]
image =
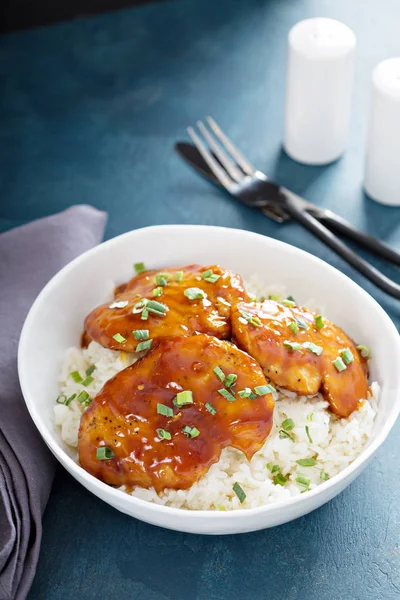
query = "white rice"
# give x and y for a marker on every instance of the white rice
(335, 442)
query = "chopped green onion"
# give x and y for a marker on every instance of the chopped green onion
(210, 276)
(292, 345)
(157, 291)
(139, 306)
(183, 398)
(62, 398)
(194, 293)
(119, 338)
(161, 279)
(275, 298)
(239, 492)
(83, 397)
(284, 434)
(261, 390)
(324, 476)
(364, 351)
(347, 356)
(76, 377)
(339, 364)
(288, 424)
(274, 468)
(120, 304)
(139, 267)
(255, 321)
(230, 380)
(308, 434)
(293, 326)
(210, 408)
(68, 402)
(319, 322)
(164, 410)
(303, 481)
(104, 453)
(146, 306)
(306, 462)
(163, 434)
(87, 381)
(220, 507)
(261, 299)
(153, 311)
(279, 479)
(144, 345)
(245, 315)
(246, 393)
(251, 319)
(191, 432)
(219, 373)
(179, 275)
(153, 306)
(90, 370)
(253, 396)
(311, 347)
(289, 303)
(309, 417)
(291, 299)
(301, 322)
(141, 334)
(227, 395)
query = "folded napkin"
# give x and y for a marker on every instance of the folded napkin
(29, 256)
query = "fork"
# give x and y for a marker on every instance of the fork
(225, 165)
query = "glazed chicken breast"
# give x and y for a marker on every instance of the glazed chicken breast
(164, 420)
(174, 302)
(302, 352)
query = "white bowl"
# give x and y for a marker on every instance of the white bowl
(55, 322)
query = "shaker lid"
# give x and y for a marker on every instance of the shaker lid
(322, 38)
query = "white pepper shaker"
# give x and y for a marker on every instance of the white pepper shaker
(382, 169)
(320, 74)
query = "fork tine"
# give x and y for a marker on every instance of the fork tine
(214, 165)
(223, 158)
(238, 156)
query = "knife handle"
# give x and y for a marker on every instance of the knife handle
(330, 239)
(365, 240)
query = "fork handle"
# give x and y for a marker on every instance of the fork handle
(369, 242)
(330, 239)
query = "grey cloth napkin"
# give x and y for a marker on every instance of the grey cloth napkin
(29, 256)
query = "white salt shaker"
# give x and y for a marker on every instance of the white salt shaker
(382, 172)
(320, 74)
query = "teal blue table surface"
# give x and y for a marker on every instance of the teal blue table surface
(90, 111)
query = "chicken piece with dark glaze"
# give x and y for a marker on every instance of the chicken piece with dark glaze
(194, 299)
(267, 331)
(175, 450)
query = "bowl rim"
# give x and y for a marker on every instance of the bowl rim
(107, 492)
